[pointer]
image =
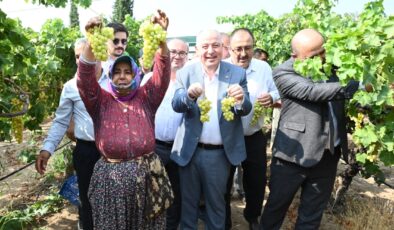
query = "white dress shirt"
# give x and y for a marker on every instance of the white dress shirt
(166, 119)
(146, 78)
(259, 77)
(70, 105)
(210, 130)
(106, 65)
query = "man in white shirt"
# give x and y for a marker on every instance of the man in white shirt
(85, 153)
(261, 89)
(205, 151)
(166, 125)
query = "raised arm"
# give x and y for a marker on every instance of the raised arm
(89, 89)
(156, 87)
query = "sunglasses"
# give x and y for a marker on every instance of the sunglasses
(116, 41)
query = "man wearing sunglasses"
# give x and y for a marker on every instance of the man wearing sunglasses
(117, 46)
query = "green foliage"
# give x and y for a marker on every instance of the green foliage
(56, 65)
(61, 162)
(121, 8)
(38, 63)
(360, 47)
(17, 57)
(28, 155)
(74, 16)
(312, 67)
(21, 219)
(134, 43)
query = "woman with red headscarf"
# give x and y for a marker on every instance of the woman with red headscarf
(129, 188)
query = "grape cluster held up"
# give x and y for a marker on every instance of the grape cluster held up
(98, 38)
(152, 34)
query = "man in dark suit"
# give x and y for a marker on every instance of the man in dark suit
(310, 138)
(205, 151)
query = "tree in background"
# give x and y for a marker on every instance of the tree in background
(74, 16)
(134, 42)
(121, 8)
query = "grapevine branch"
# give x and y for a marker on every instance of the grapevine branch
(23, 96)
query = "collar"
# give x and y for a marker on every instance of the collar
(216, 71)
(251, 68)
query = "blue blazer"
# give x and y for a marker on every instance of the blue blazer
(189, 131)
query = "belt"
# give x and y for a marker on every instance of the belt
(209, 146)
(86, 142)
(164, 143)
(112, 160)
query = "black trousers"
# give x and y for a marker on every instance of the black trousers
(163, 150)
(85, 156)
(316, 185)
(254, 178)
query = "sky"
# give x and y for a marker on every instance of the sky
(187, 17)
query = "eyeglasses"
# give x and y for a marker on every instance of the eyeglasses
(181, 54)
(116, 41)
(239, 50)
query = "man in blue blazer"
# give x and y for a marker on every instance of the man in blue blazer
(205, 151)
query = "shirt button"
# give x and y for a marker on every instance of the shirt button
(126, 125)
(125, 110)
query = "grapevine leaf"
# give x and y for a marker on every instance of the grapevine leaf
(372, 40)
(352, 43)
(389, 145)
(361, 157)
(389, 29)
(366, 136)
(387, 157)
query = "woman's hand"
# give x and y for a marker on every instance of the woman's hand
(92, 23)
(87, 51)
(160, 18)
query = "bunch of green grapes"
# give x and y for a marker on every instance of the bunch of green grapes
(17, 128)
(258, 112)
(205, 107)
(98, 38)
(17, 122)
(152, 34)
(227, 104)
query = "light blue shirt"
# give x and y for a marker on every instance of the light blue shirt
(167, 120)
(259, 77)
(70, 105)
